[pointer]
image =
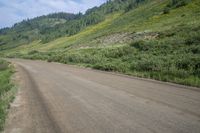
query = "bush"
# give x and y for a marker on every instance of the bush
(175, 4)
(118, 52)
(193, 40)
(166, 10)
(179, 3)
(141, 45)
(190, 63)
(146, 65)
(33, 52)
(112, 66)
(105, 67)
(195, 49)
(183, 63)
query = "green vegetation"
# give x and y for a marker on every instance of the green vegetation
(56, 25)
(175, 4)
(7, 90)
(131, 37)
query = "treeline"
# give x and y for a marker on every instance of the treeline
(70, 27)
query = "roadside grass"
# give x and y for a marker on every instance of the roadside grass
(7, 90)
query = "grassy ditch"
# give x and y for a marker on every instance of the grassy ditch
(7, 90)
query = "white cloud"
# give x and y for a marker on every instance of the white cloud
(12, 11)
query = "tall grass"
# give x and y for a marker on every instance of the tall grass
(7, 90)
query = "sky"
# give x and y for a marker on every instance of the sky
(12, 11)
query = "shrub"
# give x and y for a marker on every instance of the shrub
(175, 4)
(105, 67)
(193, 40)
(179, 3)
(33, 52)
(183, 63)
(141, 45)
(146, 65)
(195, 49)
(112, 66)
(166, 10)
(118, 52)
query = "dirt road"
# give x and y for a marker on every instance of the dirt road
(57, 98)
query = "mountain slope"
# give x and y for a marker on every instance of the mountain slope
(52, 26)
(153, 39)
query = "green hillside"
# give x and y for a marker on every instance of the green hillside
(158, 39)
